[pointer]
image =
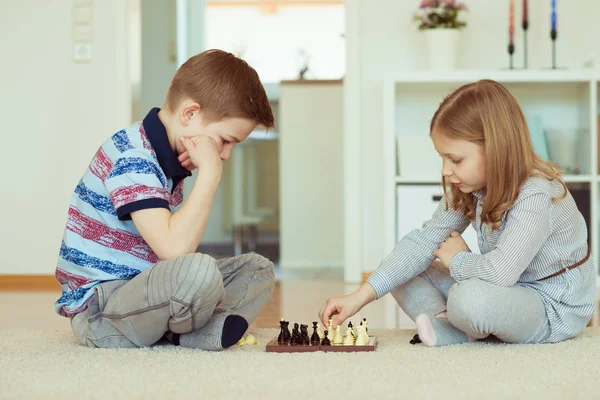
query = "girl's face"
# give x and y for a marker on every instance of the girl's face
(463, 162)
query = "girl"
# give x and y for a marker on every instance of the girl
(534, 281)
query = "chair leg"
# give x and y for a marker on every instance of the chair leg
(252, 238)
(238, 239)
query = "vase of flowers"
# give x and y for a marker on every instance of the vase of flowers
(440, 22)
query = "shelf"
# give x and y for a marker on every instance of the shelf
(422, 181)
(466, 76)
(550, 99)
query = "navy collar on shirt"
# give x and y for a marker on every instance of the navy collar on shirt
(157, 134)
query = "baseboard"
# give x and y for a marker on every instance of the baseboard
(311, 264)
(28, 283)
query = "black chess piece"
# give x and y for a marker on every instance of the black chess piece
(282, 336)
(315, 339)
(288, 335)
(295, 335)
(325, 341)
(416, 339)
(304, 339)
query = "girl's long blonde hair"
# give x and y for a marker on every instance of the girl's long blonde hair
(486, 113)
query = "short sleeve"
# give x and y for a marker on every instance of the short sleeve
(136, 182)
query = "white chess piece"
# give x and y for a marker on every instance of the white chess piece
(339, 339)
(349, 339)
(360, 340)
(330, 327)
(319, 331)
(365, 335)
(351, 330)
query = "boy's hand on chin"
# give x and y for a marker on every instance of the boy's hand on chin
(453, 245)
(200, 152)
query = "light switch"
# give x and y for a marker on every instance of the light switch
(82, 33)
(82, 52)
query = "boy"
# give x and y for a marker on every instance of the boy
(127, 262)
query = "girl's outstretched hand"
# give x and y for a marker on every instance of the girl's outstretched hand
(345, 307)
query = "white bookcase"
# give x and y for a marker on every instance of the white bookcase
(554, 100)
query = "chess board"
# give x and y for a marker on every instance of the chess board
(274, 347)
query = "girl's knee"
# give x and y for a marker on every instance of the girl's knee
(467, 301)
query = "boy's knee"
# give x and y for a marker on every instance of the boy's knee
(264, 269)
(467, 301)
(201, 277)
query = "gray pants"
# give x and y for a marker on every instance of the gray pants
(514, 314)
(178, 295)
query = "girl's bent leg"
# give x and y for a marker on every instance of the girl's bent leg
(514, 314)
(426, 293)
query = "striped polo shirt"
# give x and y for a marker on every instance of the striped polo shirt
(133, 170)
(536, 238)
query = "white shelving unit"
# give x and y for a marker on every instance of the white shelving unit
(563, 99)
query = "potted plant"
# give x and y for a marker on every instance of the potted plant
(439, 21)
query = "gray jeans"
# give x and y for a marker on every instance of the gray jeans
(178, 295)
(514, 314)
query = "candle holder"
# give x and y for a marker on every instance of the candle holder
(553, 36)
(525, 28)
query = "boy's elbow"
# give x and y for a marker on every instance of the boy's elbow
(169, 252)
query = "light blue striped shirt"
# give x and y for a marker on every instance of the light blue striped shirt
(536, 238)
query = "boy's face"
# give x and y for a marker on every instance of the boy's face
(225, 132)
(463, 162)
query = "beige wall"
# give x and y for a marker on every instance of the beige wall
(267, 190)
(55, 113)
(311, 175)
(388, 40)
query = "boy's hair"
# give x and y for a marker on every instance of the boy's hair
(484, 112)
(224, 85)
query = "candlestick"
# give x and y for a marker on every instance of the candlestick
(511, 32)
(525, 27)
(553, 33)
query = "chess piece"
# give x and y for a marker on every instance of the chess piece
(304, 339)
(315, 338)
(360, 340)
(351, 328)
(282, 338)
(338, 339)
(416, 339)
(288, 335)
(365, 334)
(330, 325)
(251, 340)
(366, 325)
(325, 341)
(295, 336)
(319, 331)
(349, 338)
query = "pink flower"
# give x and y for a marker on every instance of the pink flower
(448, 3)
(425, 4)
(462, 6)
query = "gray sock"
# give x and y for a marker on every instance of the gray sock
(438, 331)
(222, 331)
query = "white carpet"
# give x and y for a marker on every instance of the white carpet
(50, 365)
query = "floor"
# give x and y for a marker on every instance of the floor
(298, 297)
